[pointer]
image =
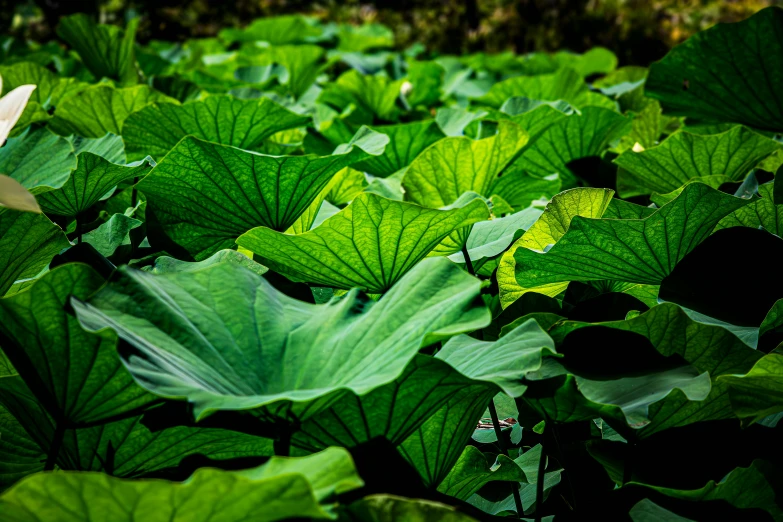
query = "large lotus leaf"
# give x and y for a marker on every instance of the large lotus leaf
(665, 403)
(371, 95)
(101, 47)
(219, 359)
(204, 195)
(102, 109)
(729, 73)
(453, 166)
(28, 242)
(406, 142)
(565, 84)
(122, 448)
(473, 470)
(684, 156)
(156, 129)
(758, 393)
(756, 486)
(573, 137)
(641, 251)
(77, 375)
(547, 230)
(282, 488)
(489, 239)
(39, 160)
(108, 147)
(50, 90)
(275, 30)
(395, 411)
(93, 178)
(763, 213)
(535, 116)
(389, 508)
(371, 244)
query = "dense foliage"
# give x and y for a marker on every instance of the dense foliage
(288, 273)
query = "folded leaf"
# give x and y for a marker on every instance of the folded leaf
(632, 250)
(157, 128)
(104, 52)
(93, 178)
(453, 166)
(762, 213)
(370, 245)
(757, 394)
(204, 195)
(683, 156)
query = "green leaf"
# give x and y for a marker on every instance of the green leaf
(276, 30)
(647, 511)
(364, 37)
(489, 239)
(453, 166)
(78, 376)
(108, 147)
(743, 488)
(683, 156)
(363, 344)
(102, 109)
(573, 137)
(462, 377)
(371, 95)
(473, 470)
(166, 265)
(104, 52)
(406, 142)
(39, 160)
(757, 394)
(707, 349)
(19, 454)
(301, 66)
(728, 73)
(547, 230)
(520, 190)
(346, 185)
(632, 250)
(565, 84)
(123, 448)
(50, 89)
(157, 128)
(280, 489)
(388, 508)
(371, 244)
(762, 213)
(111, 235)
(204, 195)
(28, 242)
(93, 178)
(594, 61)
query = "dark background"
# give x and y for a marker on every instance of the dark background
(638, 31)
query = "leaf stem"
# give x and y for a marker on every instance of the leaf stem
(468, 262)
(493, 412)
(540, 482)
(54, 449)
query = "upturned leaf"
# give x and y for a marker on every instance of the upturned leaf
(453, 166)
(93, 178)
(223, 119)
(203, 196)
(371, 244)
(683, 157)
